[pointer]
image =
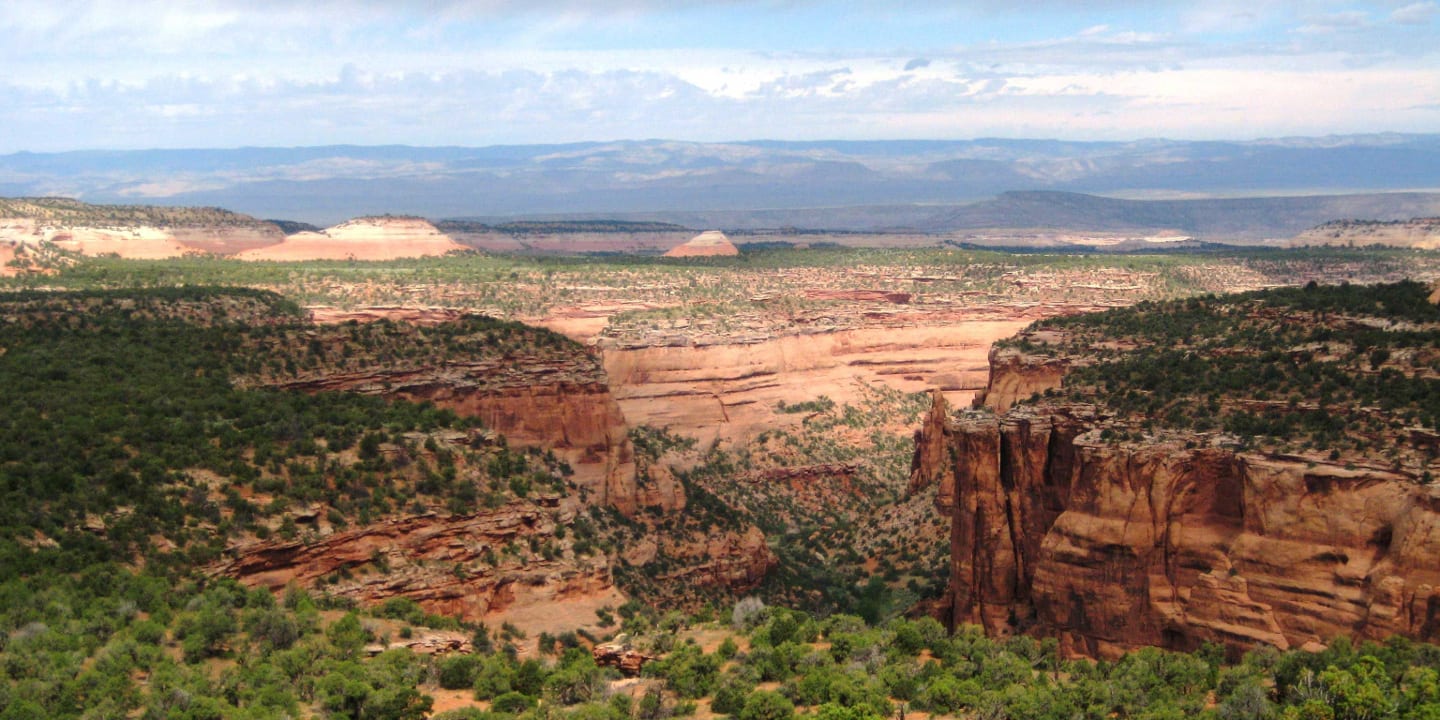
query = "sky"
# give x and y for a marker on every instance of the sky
(133, 74)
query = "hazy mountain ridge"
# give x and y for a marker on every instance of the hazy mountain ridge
(323, 185)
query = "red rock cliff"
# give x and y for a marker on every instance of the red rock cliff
(474, 566)
(556, 399)
(1172, 542)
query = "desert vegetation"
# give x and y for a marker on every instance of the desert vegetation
(758, 290)
(108, 642)
(830, 493)
(66, 211)
(128, 434)
(1342, 369)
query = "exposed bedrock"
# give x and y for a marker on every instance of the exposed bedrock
(578, 420)
(453, 565)
(1117, 545)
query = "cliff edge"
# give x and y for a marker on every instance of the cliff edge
(1252, 470)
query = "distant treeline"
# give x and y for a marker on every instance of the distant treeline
(1377, 223)
(290, 227)
(67, 211)
(537, 227)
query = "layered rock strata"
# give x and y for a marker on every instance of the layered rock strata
(1174, 541)
(558, 405)
(455, 565)
(368, 238)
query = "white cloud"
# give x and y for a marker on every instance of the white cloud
(1420, 13)
(102, 73)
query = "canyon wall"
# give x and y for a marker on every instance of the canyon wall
(470, 566)
(730, 390)
(565, 407)
(1174, 541)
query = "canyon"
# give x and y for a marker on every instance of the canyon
(1067, 519)
(521, 563)
(460, 566)
(730, 386)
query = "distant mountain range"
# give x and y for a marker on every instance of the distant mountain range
(919, 185)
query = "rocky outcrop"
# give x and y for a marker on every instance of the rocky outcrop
(525, 384)
(620, 655)
(1420, 233)
(734, 560)
(731, 390)
(370, 238)
(1172, 541)
(477, 567)
(707, 244)
(328, 315)
(140, 241)
(889, 296)
(1015, 376)
(556, 405)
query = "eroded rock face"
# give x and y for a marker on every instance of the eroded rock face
(710, 243)
(620, 655)
(729, 390)
(1422, 233)
(729, 559)
(1172, 543)
(367, 238)
(454, 565)
(1015, 376)
(143, 242)
(555, 400)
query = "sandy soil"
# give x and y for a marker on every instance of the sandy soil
(556, 617)
(144, 243)
(7, 253)
(583, 323)
(454, 700)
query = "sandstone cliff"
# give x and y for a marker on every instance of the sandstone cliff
(369, 238)
(132, 231)
(539, 392)
(1067, 520)
(1422, 233)
(478, 567)
(710, 243)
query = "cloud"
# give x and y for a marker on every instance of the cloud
(1420, 13)
(1331, 22)
(146, 73)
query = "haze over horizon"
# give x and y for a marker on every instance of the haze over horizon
(100, 74)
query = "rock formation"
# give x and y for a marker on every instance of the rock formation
(455, 565)
(706, 244)
(556, 398)
(1173, 540)
(130, 231)
(145, 243)
(369, 238)
(618, 654)
(729, 387)
(1420, 233)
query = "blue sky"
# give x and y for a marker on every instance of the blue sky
(84, 74)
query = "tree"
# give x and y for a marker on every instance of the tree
(347, 635)
(766, 705)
